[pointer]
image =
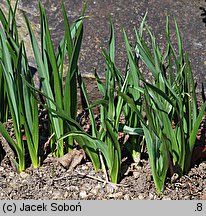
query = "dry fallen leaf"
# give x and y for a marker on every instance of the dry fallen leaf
(72, 159)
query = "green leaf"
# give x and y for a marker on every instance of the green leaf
(100, 85)
(130, 130)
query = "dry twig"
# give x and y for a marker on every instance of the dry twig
(91, 177)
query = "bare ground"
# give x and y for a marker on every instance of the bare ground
(53, 181)
(74, 177)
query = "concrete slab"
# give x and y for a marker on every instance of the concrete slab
(128, 14)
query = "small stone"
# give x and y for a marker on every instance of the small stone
(136, 174)
(186, 198)
(1, 169)
(72, 188)
(109, 189)
(12, 174)
(116, 195)
(151, 196)
(92, 172)
(141, 197)
(85, 167)
(56, 195)
(83, 194)
(50, 182)
(203, 197)
(166, 198)
(126, 197)
(24, 175)
(202, 166)
(24, 182)
(94, 191)
(98, 186)
(87, 187)
(66, 194)
(184, 185)
(174, 177)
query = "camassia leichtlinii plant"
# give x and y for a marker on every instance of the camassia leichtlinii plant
(115, 90)
(8, 24)
(168, 98)
(59, 87)
(61, 100)
(50, 69)
(3, 98)
(172, 116)
(22, 104)
(105, 139)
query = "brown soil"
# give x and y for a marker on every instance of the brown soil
(53, 181)
(73, 177)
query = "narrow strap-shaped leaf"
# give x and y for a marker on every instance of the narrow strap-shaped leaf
(70, 90)
(67, 34)
(3, 19)
(160, 92)
(41, 69)
(130, 130)
(179, 42)
(86, 99)
(18, 148)
(131, 103)
(194, 131)
(100, 85)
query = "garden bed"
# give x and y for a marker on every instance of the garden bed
(80, 181)
(148, 114)
(53, 181)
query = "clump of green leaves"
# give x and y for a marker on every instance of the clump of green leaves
(8, 25)
(168, 99)
(22, 104)
(105, 139)
(59, 88)
(172, 117)
(50, 68)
